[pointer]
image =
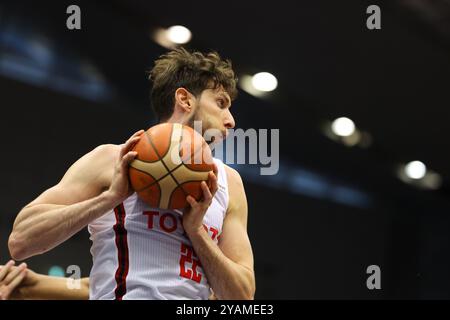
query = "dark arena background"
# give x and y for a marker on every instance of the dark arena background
(344, 198)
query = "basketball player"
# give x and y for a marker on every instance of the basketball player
(146, 253)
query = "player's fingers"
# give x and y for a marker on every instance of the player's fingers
(4, 270)
(17, 280)
(128, 145)
(14, 273)
(4, 294)
(207, 196)
(132, 142)
(192, 202)
(126, 159)
(137, 133)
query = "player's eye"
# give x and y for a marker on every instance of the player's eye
(221, 103)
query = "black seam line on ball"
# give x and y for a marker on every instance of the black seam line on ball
(156, 181)
(162, 161)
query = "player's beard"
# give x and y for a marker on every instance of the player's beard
(194, 118)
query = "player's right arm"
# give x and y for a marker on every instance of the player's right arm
(92, 186)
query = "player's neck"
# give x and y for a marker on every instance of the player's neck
(178, 118)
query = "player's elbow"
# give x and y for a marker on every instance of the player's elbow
(244, 293)
(243, 290)
(249, 292)
(247, 296)
(17, 247)
(248, 288)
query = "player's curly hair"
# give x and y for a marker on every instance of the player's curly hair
(193, 71)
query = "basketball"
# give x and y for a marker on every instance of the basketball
(171, 163)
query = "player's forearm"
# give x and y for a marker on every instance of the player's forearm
(229, 280)
(55, 288)
(42, 227)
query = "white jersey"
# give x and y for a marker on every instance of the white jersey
(141, 252)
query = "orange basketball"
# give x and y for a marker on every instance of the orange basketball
(172, 161)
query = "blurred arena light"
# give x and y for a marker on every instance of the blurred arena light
(417, 174)
(172, 36)
(245, 82)
(343, 127)
(258, 85)
(415, 169)
(56, 271)
(179, 34)
(264, 81)
(432, 180)
(344, 130)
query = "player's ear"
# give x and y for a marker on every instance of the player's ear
(183, 99)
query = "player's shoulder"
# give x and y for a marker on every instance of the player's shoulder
(233, 176)
(101, 158)
(107, 148)
(236, 191)
(98, 164)
(106, 152)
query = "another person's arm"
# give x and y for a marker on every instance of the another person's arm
(41, 287)
(92, 186)
(20, 283)
(11, 277)
(228, 266)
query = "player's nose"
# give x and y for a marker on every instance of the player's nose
(229, 120)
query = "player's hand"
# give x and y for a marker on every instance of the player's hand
(193, 216)
(120, 187)
(11, 278)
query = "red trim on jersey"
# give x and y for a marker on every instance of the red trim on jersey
(122, 252)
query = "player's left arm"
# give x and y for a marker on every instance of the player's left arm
(228, 266)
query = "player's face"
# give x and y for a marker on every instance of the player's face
(213, 109)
